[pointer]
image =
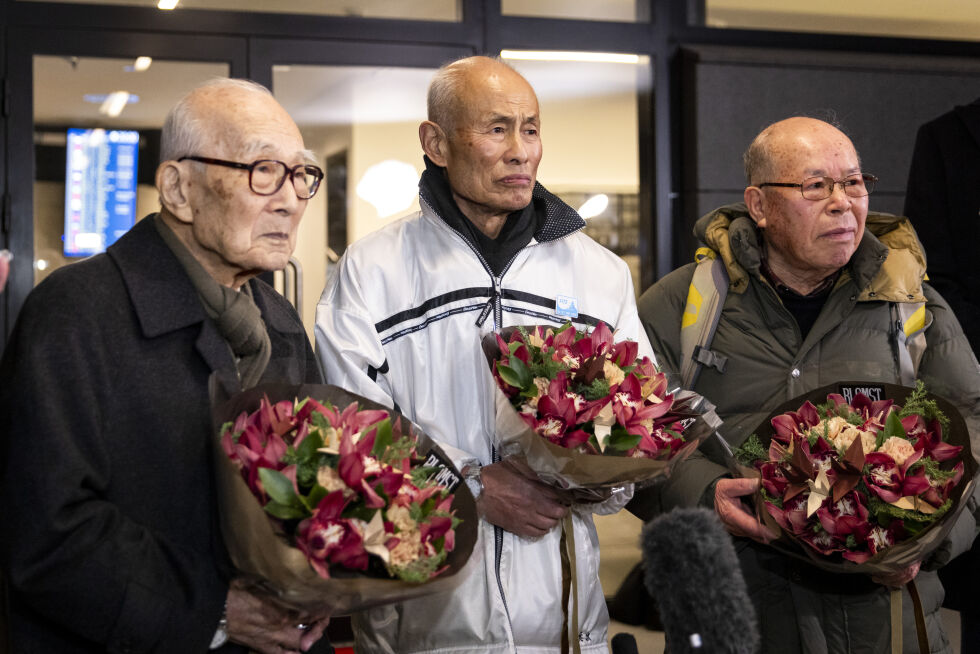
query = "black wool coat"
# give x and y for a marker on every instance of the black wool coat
(108, 532)
(943, 201)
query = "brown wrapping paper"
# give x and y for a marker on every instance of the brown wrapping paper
(897, 557)
(260, 551)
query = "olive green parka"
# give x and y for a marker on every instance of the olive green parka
(769, 362)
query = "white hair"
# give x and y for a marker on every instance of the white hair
(184, 131)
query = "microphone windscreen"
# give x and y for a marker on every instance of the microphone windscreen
(692, 570)
(624, 644)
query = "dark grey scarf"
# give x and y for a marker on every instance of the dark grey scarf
(238, 318)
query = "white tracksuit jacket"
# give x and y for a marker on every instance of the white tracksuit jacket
(400, 322)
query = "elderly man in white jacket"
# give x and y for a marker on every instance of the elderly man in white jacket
(401, 321)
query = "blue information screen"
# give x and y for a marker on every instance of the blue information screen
(100, 188)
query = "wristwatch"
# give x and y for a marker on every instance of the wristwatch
(473, 476)
(221, 633)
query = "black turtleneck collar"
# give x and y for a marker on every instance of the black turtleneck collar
(516, 233)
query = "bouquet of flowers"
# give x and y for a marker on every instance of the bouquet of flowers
(327, 499)
(862, 480)
(592, 413)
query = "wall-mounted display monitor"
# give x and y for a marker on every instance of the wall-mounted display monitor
(100, 188)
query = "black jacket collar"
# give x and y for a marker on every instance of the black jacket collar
(555, 219)
(162, 295)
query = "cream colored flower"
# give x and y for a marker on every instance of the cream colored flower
(331, 441)
(330, 479)
(613, 373)
(407, 549)
(534, 340)
(541, 386)
(847, 436)
(898, 449)
(834, 426)
(401, 517)
(371, 465)
(571, 361)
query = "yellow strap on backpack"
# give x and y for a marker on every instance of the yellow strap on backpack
(911, 321)
(705, 298)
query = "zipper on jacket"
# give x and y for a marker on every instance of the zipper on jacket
(494, 302)
(498, 301)
(498, 551)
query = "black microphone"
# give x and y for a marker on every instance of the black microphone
(624, 644)
(692, 570)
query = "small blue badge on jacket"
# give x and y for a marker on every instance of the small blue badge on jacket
(566, 306)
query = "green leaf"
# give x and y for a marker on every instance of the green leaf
(279, 487)
(359, 511)
(515, 373)
(285, 512)
(308, 448)
(317, 493)
(382, 437)
(913, 521)
(917, 403)
(620, 439)
(750, 451)
(893, 428)
(598, 389)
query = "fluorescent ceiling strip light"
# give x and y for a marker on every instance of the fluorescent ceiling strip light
(556, 55)
(114, 103)
(167, 4)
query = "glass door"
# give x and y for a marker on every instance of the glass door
(84, 173)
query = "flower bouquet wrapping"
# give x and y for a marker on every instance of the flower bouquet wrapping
(586, 412)
(330, 501)
(860, 477)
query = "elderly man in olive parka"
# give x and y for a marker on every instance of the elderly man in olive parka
(808, 305)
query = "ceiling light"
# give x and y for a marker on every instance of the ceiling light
(167, 4)
(556, 55)
(142, 63)
(594, 206)
(114, 103)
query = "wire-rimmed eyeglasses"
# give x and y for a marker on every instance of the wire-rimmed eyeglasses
(266, 176)
(857, 185)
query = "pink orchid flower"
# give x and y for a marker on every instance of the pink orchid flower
(795, 422)
(327, 538)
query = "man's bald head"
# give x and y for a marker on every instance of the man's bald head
(456, 83)
(770, 148)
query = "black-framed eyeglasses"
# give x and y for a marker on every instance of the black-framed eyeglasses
(857, 185)
(265, 176)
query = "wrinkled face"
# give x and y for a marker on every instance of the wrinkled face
(812, 238)
(493, 153)
(238, 231)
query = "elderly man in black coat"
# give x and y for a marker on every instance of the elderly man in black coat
(108, 534)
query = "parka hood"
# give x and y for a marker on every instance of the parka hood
(889, 263)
